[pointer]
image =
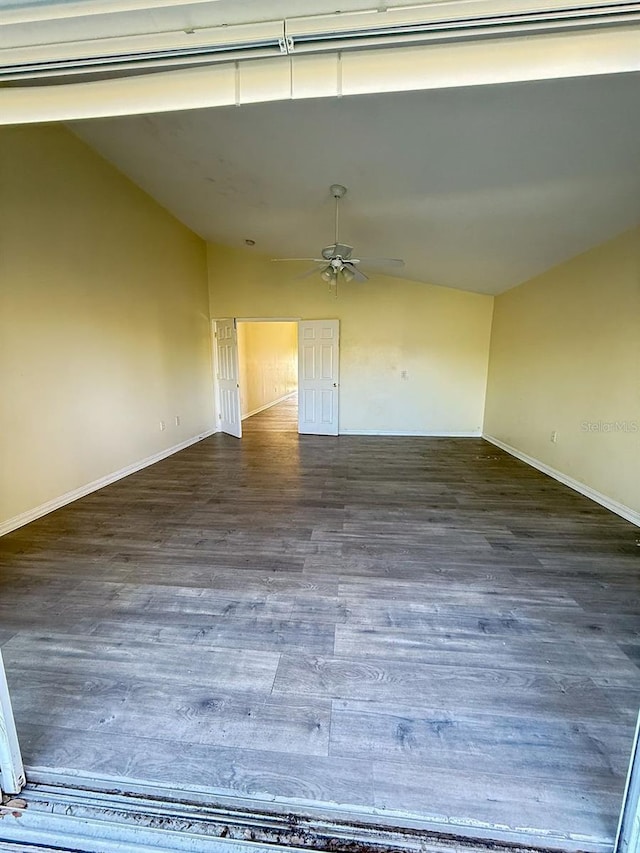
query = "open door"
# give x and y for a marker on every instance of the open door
(228, 377)
(11, 770)
(318, 360)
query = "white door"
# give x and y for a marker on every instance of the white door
(227, 375)
(318, 350)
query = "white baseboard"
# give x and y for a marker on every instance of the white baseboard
(619, 509)
(269, 405)
(416, 433)
(38, 511)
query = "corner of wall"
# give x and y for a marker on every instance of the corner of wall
(564, 369)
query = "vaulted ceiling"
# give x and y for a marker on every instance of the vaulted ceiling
(478, 189)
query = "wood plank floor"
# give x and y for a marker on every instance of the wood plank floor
(413, 625)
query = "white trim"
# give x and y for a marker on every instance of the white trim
(11, 768)
(214, 377)
(599, 498)
(418, 433)
(269, 405)
(45, 508)
(267, 319)
(628, 835)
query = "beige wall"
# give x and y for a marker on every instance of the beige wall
(103, 321)
(565, 356)
(268, 363)
(438, 336)
(104, 333)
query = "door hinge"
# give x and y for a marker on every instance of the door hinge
(286, 44)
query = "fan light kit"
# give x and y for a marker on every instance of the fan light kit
(337, 261)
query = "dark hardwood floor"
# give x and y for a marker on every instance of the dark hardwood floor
(414, 625)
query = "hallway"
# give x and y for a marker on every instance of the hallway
(280, 418)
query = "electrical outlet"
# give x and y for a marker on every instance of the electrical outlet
(162, 426)
(177, 420)
(554, 436)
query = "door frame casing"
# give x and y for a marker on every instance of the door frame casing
(214, 355)
(628, 836)
(12, 778)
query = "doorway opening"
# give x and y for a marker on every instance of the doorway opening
(249, 383)
(268, 373)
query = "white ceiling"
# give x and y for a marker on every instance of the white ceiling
(478, 189)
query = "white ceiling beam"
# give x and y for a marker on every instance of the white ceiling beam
(480, 63)
(609, 51)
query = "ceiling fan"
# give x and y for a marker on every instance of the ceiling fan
(337, 260)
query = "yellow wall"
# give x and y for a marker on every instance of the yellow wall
(439, 336)
(268, 363)
(104, 325)
(104, 333)
(565, 356)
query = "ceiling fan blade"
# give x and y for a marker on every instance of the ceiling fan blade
(355, 273)
(381, 263)
(313, 260)
(318, 268)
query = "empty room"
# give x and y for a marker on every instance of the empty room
(320, 425)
